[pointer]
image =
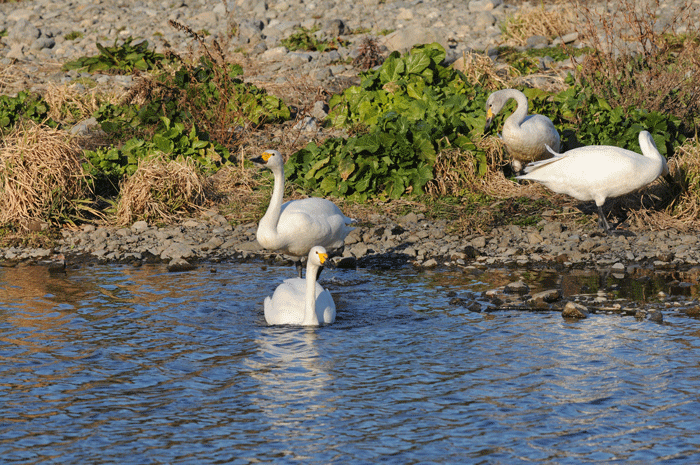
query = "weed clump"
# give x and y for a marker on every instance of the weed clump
(162, 190)
(41, 176)
(368, 55)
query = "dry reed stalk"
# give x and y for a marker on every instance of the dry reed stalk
(455, 172)
(41, 174)
(161, 190)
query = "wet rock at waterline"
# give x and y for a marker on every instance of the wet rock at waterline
(574, 310)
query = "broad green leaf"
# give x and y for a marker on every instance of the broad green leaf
(345, 168)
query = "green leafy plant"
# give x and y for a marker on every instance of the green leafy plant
(74, 35)
(24, 106)
(209, 94)
(589, 119)
(124, 58)
(305, 39)
(110, 165)
(409, 109)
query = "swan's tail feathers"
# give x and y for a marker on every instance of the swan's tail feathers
(532, 166)
(550, 150)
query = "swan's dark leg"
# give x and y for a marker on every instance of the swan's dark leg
(318, 273)
(602, 222)
(299, 267)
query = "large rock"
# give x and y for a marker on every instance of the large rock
(405, 39)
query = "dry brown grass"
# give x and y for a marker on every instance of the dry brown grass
(163, 190)
(677, 205)
(480, 69)
(72, 103)
(455, 171)
(641, 61)
(41, 174)
(553, 21)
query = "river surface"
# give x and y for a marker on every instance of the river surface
(115, 363)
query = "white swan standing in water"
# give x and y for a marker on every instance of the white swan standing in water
(294, 227)
(300, 301)
(599, 172)
(525, 136)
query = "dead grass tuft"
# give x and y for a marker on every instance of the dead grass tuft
(481, 70)
(538, 20)
(675, 205)
(369, 55)
(162, 190)
(73, 103)
(455, 171)
(41, 175)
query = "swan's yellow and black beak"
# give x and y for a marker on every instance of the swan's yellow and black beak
(322, 257)
(489, 118)
(262, 159)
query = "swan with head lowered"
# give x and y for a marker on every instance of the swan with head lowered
(300, 301)
(294, 227)
(525, 136)
(599, 172)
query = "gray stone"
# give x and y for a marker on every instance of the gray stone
(517, 287)
(334, 28)
(574, 310)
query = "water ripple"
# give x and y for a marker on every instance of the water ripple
(140, 365)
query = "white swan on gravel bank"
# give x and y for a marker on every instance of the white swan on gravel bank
(294, 227)
(300, 301)
(599, 172)
(525, 136)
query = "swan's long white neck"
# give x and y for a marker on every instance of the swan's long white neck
(310, 317)
(650, 151)
(520, 113)
(267, 228)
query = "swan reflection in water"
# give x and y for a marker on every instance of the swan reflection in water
(293, 379)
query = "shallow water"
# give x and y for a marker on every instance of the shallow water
(134, 364)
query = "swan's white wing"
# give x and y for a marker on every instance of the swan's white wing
(310, 222)
(325, 307)
(286, 307)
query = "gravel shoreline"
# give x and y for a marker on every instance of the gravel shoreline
(35, 40)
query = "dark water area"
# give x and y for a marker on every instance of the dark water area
(112, 363)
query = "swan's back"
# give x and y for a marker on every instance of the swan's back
(287, 304)
(310, 222)
(528, 141)
(594, 172)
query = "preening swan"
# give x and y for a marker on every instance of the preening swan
(525, 136)
(599, 172)
(294, 227)
(300, 301)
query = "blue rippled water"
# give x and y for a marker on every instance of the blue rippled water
(129, 364)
